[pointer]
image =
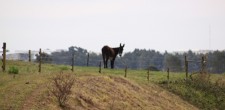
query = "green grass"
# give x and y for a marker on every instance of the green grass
(15, 91)
(202, 92)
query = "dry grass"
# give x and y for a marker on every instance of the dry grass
(117, 93)
(91, 90)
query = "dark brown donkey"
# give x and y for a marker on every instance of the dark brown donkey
(111, 53)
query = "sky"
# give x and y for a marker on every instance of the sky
(172, 25)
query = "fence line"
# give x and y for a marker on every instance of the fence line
(94, 62)
(143, 63)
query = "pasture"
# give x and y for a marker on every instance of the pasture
(29, 89)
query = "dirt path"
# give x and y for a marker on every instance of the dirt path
(34, 99)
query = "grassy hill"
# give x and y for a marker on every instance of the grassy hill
(92, 90)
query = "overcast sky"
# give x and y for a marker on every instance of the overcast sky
(172, 25)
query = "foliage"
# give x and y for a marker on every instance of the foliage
(80, 56)
(216, 61)
(152, 68)
(45, 58)
(172, 62)
(142, 58)
(13, 70)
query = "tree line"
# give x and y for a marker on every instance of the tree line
(141, 59)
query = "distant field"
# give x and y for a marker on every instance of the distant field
(93, 90)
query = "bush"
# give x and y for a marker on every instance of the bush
(13, 70)
(61, 87)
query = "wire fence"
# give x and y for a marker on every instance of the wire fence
(121, 62)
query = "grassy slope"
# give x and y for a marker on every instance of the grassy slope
(205, 91)
(108, 90)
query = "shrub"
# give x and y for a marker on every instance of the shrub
(13, 70)
(61, 86)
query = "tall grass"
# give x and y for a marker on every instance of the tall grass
(202, 91)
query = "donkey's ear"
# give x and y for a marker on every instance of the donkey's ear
(123, 45)
(120, 45)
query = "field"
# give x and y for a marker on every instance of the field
(30, 89)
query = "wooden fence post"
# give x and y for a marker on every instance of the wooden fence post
(3, 57)
(100, 66)
(148, 74)
(88, 59)
(40, 60)
(186, 66)
(125, 75)
(168, 75)
(29, 55)
(72, 61)
(203, 64)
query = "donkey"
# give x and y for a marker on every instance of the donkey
(111, 53)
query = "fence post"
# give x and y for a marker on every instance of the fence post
(40, 60)
(29, 52)
(72, 62)
(168, 75)
(203, 64)
(186, 66)
(125, 75)
(3, 57)
(88, 59)
(148, 74)
(100, 66)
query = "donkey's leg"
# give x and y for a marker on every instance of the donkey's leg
(112, 64)
(103, 57)
(106, 63)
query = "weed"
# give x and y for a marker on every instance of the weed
(13, 70)
(61, 87)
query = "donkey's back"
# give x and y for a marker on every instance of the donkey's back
(107, 51)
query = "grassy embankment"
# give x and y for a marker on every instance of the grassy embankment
(108, 90)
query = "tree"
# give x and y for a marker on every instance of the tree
(46, 58)
(172, 62)
(217, 61)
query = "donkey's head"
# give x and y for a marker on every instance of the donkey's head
(121, 49)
